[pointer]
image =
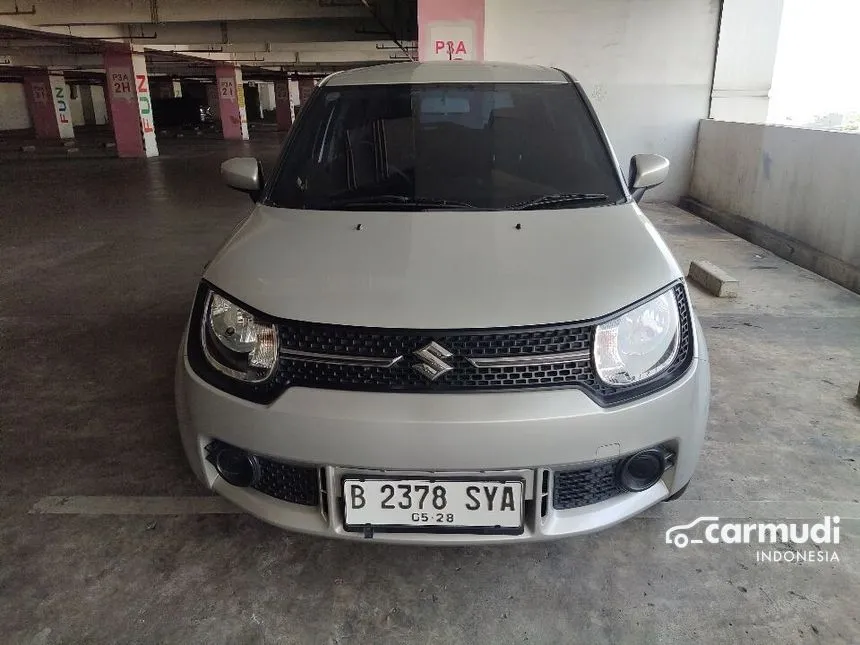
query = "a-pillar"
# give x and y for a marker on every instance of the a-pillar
(130, 104)
(231, 102)
(48, 102)
(283, 109)
(450, 30)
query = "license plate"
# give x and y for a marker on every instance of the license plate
(434, 505)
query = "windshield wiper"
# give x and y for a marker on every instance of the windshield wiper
(396, 200)
(557, 199)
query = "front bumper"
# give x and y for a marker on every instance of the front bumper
(527, 435)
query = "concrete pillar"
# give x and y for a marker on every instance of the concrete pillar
(99, 104)
(231, 100)
(283, 109)
(87, 105)
(166, 89)
(746, 55)
(450, 30)
(48, 102)
(306, 88)
(212, 100)
(130, 104)
(76, 104)
(293, 85)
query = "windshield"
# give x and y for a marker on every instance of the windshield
(482, 146)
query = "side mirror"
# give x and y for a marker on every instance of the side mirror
(244, 174)
(647, 171)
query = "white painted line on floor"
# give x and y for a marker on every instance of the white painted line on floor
(213, 505)
(121, 505)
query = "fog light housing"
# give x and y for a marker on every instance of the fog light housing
(237, 467)
(641, 471)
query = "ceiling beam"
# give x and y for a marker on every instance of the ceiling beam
(95, 12)
(53, 61)
(368, 46)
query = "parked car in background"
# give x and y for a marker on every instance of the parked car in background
(445, 321)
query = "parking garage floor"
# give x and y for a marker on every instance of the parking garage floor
(107, 537)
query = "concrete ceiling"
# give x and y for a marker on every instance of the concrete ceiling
(188, 37)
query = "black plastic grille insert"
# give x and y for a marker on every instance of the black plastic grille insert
(288, 482)
(575, 488)
(524, 341)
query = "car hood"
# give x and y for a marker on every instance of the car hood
(443, 270)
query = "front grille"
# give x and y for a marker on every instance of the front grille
(402, 377)
(289, 482)
(575, 488)
(381, 343)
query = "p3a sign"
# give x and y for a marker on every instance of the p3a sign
(448, 40)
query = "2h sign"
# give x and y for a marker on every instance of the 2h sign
(121, 83)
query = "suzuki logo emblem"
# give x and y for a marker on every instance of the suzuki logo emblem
(432, 364)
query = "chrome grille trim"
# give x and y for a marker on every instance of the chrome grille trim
(525, 360)
(339, 359)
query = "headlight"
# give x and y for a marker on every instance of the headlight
(236, 344)
(640, 343)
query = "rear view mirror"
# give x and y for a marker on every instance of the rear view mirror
(244, 174)
(647, 171)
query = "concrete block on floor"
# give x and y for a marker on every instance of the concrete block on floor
(713, 279)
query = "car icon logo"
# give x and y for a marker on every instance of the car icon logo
(677, 536)
(432, 358)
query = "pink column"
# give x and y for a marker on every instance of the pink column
(130, 104)
(450, 30)
(48, 103)
(231, 102)
(283, 113)
(306, 88)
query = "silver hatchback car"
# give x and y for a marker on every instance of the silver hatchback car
(445, 321)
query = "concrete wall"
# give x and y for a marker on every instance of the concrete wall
(792, 190)
(647, 65)
(13, 107)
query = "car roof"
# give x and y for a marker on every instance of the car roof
(446, 72)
